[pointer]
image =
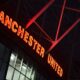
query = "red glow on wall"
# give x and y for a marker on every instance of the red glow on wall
(57, 40)
(39, 13)
(64, 35)
(59, 24)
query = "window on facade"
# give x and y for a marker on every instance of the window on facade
(24, 68)
(9, 73)
(18, 64)
(16, 75)
(20, 70)
(13, 59)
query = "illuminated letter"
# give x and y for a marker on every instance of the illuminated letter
(53, 63)
(26, 35)
(2, 17)
(8, 22)
(42, 51)
(38, 48)
(49, 59)
(56, 66)
(30, 42)
(60, 71)
(14, 26)
(35, 43)
(20, 32)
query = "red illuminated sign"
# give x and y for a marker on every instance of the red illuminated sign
(30, 40)
(22, 33)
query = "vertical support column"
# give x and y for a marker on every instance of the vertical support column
(4, 61)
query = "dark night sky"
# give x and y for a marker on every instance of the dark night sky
(67, 52)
